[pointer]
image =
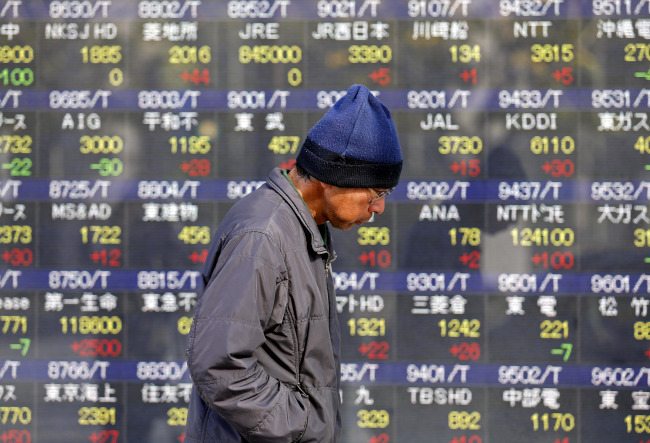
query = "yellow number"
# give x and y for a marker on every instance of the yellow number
(15, 414)
(189, 54)
(374, 419)
(554, 329)
(543, 237)
(555, 421)
(116, 76)
(641, 238)
(294, 76)
(460, 145)
(552, 145)
(184, 324)
(464, 420)
(103, 235)
(16, 54)
(465, 53)
(642, 145)
(19, 323)
(468, 236)
(551, 53)
(460, 328)
(177, 417)
(639, 424)
(270, 54)
(16, 144)
(642, 330)
(101, 144)
(370, 54)
(195, 144)
(637, 52)
(367, 327)
(91, 325)
(373, 235)
(97, 416)
(284, 144)
(101, 54)
(195, 234)
(15, 234)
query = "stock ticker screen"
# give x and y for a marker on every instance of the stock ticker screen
(502, 296)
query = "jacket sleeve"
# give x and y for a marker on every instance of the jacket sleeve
(246, 291)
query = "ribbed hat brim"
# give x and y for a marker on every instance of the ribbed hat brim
(344, 172)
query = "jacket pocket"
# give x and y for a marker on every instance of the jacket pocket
(297, 352)
(305, 398)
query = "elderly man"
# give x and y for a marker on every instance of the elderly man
(263, 351)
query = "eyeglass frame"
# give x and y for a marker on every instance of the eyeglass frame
(378, 195)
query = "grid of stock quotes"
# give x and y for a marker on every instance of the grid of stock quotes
(503, 295)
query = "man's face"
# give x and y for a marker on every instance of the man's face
(346, 207)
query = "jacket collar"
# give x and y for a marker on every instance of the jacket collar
(278, 182)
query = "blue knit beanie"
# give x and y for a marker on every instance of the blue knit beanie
(354, 145)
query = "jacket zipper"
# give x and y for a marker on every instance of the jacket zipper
(294, 333)
(328, 273)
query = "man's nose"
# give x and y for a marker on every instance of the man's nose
(378, 206)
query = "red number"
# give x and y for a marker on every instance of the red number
(376, 258)
(464, 439)
(93, 347)
(466, 351)
(105, 436)
(471, 259)
(18, 257)
(196, 167)
(16, 436)
(556, 260)
(466, 167)
(559, 168)
(375, 350)
(107, 258)
(381, 438)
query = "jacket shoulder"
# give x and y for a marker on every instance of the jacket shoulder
(263, 211)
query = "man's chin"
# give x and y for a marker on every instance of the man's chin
(344, 226)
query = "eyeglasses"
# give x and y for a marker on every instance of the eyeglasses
(380, 194)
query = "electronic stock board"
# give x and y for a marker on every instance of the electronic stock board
(501, 297)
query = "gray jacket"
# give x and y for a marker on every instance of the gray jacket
(263, 350)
